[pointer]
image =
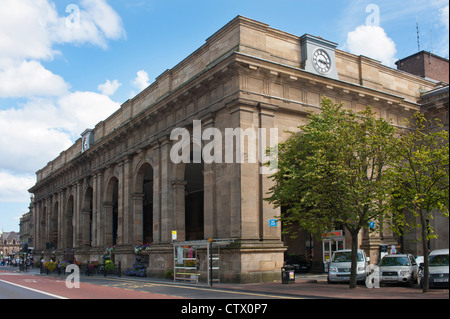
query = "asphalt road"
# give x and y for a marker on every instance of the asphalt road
(19, 285)
(9, 290)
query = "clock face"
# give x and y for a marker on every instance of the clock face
(85, 143)
(321, 61)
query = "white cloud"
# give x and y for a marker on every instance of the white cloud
(81, 110)
(15, 188)
(142, 80)
(35, 134)
(442, 47)
(109, 88)
(444, 16)
(29, 79)
(25, 29)
(29, 139)
(373, 42)
(107, 20)
(50, 117)
(30, 28)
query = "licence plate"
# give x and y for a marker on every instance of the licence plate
(391, 278)
(345, 278)
(441, 280)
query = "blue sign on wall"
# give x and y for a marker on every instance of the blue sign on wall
(272, 223)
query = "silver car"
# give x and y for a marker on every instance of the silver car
(399, 269)
(438, 269)
(340, 266)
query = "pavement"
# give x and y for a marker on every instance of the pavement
(306, 286)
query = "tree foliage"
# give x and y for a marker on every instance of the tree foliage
(421, 177)
(333, 172)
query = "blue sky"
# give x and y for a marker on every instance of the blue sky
(60, 75)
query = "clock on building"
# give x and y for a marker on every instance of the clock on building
(87, 139)
(321, 61)
(318, 56)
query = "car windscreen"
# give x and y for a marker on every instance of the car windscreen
(345, 256)
(438, 260)
(395, 261)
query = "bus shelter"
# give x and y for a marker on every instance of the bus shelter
(198, 261)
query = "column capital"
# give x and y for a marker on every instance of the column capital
(137, 196)
(178, 183)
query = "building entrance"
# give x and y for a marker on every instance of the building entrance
(332, 242)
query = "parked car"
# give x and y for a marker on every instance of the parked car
(340, 266)
(400, 268)
(438, 269)
(298, 262)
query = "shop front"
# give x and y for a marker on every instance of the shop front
(332, 241)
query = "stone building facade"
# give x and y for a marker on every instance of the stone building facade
(118, 184)
(26, 229)
(9, 245)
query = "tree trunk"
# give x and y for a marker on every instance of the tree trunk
(426, 271)
(354, 259)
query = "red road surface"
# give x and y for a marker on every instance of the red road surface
(58, 287)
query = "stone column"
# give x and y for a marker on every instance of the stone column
(121, 204)
(267, 136)
(107, 224)
(77, 220)
(85, 223)
(46, 227)
(100, 211)
(95, 209)
(33, 210)
(209, 193)
(42, 222)
(61, 228)
(36, 230)
(127, 224)
(157, 197)
(137, 200)
(166, 207)
(179, 218)
(126, 228)
(249, 175)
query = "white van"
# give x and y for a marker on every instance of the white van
(340, 266)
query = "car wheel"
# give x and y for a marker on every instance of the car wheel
(410, 282)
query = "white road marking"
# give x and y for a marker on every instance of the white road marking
(35, 290)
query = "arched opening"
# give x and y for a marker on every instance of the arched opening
(147, 209)
(69, 223)
(143, 204)
(112, 212)
(194, 207)
(43, 226)
(87, 218)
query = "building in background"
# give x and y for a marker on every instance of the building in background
(26, 229)
(426, 65)
(9, 245)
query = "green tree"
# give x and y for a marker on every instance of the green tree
(421, 176)
(331, 173)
